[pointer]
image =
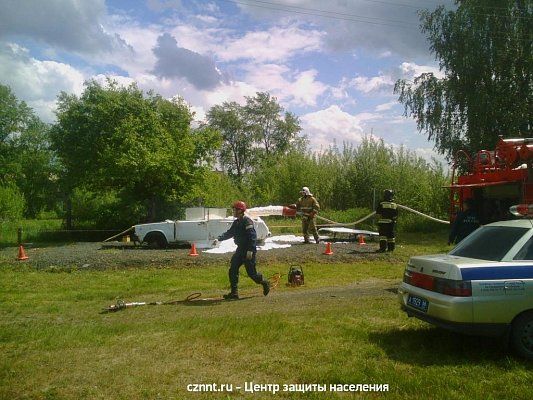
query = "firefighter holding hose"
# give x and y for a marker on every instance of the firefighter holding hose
(308, 206)
(243, 233)
(388, 214)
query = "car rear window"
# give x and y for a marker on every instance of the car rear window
(489, 242)
(526, 252)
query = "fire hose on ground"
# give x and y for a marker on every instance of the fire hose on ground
(190, 299)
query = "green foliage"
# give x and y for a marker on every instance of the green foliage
(487, 59)
(274, 134)
(214, 189)
(11, 202)
(350, 215)
(253, 134)
(120, 156)
(33, 230)
(355, 177)
(236, 151)
(25, 157)
(96, 209)
(38, 169)
(134, 146)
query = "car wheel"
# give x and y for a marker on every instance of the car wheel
(156, 240)
(522, 335)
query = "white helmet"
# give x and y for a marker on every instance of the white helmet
(306, 191)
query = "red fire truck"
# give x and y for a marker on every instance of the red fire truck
(495, 179)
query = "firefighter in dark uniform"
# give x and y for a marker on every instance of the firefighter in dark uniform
(243, 233)
(308, 206)
(466, 222)
(388, 214)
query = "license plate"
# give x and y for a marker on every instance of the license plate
(418, 303)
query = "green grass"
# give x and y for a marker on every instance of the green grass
(31, 229)
(344, 326)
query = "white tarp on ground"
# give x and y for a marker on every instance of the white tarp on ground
(274, 242)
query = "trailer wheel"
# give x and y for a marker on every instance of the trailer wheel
(156, 240)
(522, 335)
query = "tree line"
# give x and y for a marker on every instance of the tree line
(117, 155)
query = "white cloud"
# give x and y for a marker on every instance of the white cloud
(73, 25)
(325, 127)
(386, 106)
(161, 5)
(293, 88)
(174, 61)
(409, 70)
(384, 82)
(379, 27)
(305, 89)
(208, 19)
(234, 91)
(378, 83)
(37, 82)
(430, 155)
(142, 40)
(276, 44)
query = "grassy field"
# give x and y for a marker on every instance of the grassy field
(343, 327)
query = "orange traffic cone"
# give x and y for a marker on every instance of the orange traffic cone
(22, 254)
(328, 251)
(193, 251)
(361, 239)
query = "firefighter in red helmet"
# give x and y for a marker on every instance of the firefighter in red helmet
(387, 211)
(243, 233)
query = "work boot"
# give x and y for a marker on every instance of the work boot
(317, 240)
(391, 246)
(266, 287)
(306, 240)
(231, 296)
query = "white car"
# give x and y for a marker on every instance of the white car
(484, 286)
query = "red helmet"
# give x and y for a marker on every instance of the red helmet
(239, 205)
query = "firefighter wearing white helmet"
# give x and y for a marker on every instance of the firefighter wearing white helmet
(309, 208)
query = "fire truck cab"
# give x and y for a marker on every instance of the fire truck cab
(495, 179)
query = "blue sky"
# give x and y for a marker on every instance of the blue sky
(333, 63)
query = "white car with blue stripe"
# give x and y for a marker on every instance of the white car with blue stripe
(484, 286)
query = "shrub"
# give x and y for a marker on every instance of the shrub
(12, 203)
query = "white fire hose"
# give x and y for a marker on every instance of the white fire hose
(289, 212)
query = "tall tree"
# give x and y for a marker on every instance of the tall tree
(276, 131)
(254, 133)
(236, 153)
(14, 118)
(26, 159)
(137, 144)
(484, 50)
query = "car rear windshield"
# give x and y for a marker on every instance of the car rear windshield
(489, 242)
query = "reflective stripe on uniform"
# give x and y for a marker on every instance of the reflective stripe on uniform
(384, 221)
(386, 204)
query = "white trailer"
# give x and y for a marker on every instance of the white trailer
(201, 226)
